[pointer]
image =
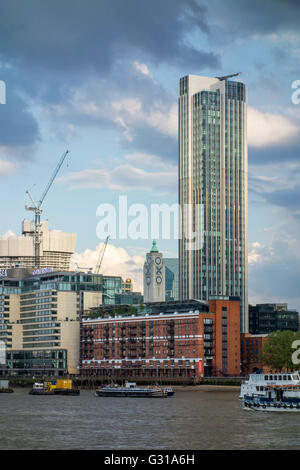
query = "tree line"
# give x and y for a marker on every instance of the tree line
(281, 352)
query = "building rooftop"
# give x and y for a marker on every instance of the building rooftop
(176, 306)
(154, 248)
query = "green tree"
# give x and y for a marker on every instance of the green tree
(277, 351)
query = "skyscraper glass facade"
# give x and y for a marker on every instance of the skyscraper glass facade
(213, 173)
(172, 272)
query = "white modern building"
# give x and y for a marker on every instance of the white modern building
(154, 276)
(55, 250)
(40, 314)
(213, 174)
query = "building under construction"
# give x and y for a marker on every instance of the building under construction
(56, 248)
(38, 247)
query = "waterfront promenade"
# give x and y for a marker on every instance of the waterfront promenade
(91, 383)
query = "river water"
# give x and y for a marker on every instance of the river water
(191, 420)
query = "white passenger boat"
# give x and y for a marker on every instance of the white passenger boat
(257, 382)
(169, 390)
(275, 398)
(40, 389)
(131, 390)
(272, 392)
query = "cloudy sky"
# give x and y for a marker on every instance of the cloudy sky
(100, 78)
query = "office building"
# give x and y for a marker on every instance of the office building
(266, 318)
(213, 176)
(111, 285)
(55, 251)
(172, 278)
(40, 313)
(129, 298)
(127, 285)
(172, 341)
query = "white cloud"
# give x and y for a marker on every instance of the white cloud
(142, 68)
(148, 160)
(274, 267)
(258, 253)
(126, 113)
(89, 178)
(268, 184)
(7, 168)
(164, 120)
(268, 129)
(8, 234)
(129, 112)
(116, 262)
(124, 177)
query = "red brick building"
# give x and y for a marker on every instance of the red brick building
(251, 346)
(185, 344)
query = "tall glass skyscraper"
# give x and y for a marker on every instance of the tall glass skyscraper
(172, 277)
(213, 175)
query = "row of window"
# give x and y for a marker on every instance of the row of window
(281, 377)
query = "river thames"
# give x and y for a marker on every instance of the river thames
(191, 420)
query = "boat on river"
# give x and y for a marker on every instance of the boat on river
(170, 391)
(257, 382)
(275, 398)
(271, 392)
(40, 389)
(131, 390)
(55, 387)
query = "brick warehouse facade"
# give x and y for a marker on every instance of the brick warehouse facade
(251, 347)
(183, 345)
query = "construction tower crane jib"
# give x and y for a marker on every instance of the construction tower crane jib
(225, 77)
(36, 208)
(101, 255)
(52, 178)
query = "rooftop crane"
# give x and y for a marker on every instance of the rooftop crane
(83, 267)
(101, 254)
(225, 77)
(36, 208)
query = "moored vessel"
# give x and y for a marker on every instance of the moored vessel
(40, 389)
(257, 382)
(63, 387)
(274, 398)
(131, 390)
(271, 392)
(169, 390)
(55, 387)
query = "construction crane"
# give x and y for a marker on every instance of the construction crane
(101, 254)
(36, 208)
(225, 77)
(83, 268)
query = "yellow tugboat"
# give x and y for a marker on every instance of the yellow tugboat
(55, 387)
